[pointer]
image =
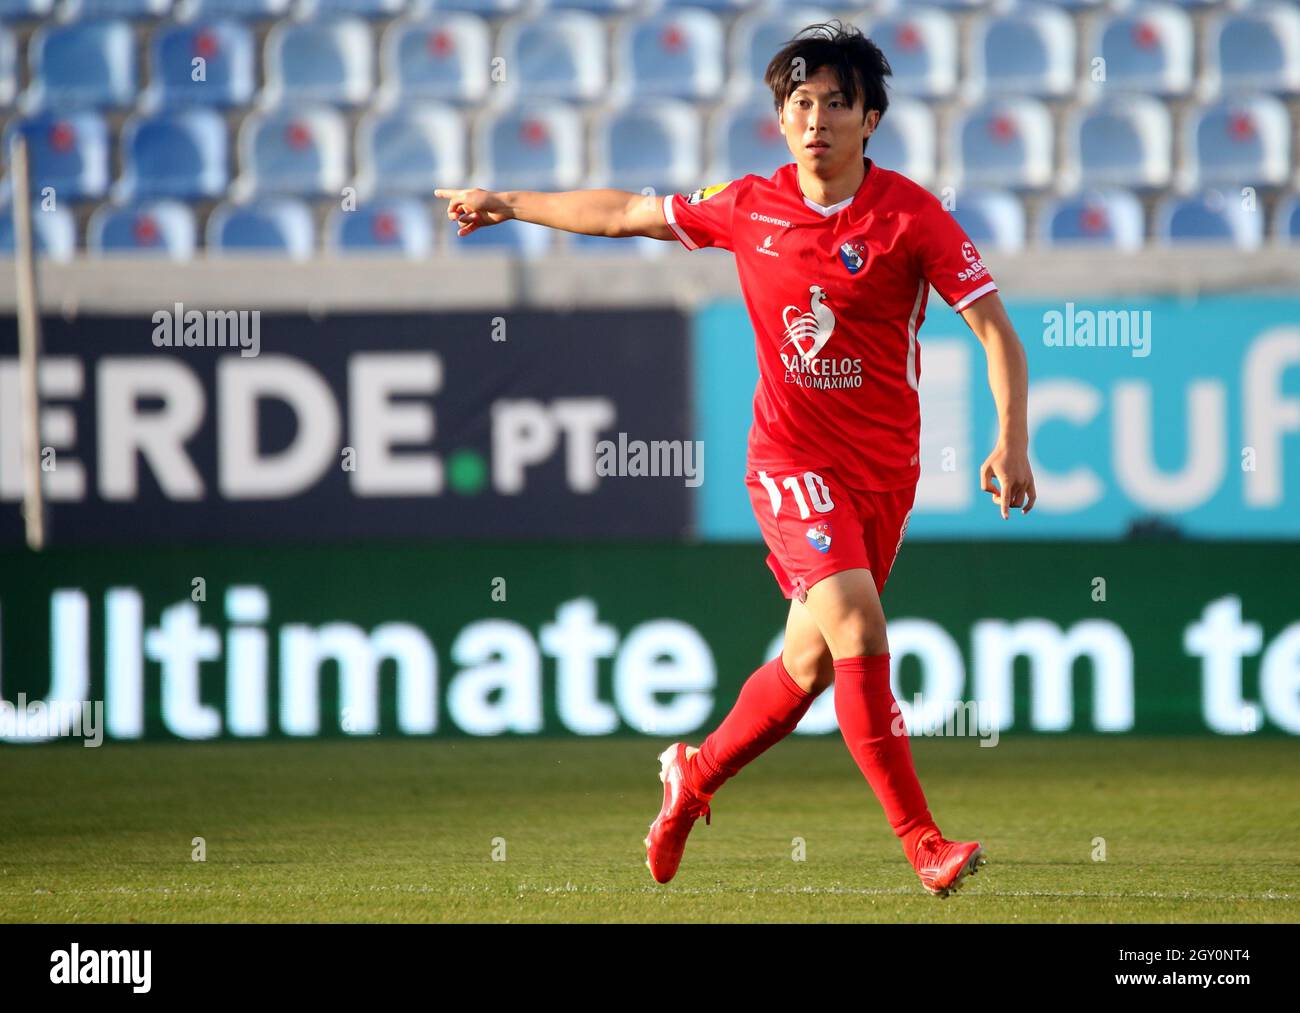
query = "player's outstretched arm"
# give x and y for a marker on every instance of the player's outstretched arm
(614, 213)
(1009, 381)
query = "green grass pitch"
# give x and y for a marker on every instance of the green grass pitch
(1194, 830)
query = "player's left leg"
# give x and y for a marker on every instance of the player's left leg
(847, 608)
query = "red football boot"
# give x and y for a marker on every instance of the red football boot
(943, 865)
(682, 807)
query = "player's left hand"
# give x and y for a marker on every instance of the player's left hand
(1015, 488)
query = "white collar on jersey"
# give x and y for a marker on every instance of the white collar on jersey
(829, 210)
(825, 211)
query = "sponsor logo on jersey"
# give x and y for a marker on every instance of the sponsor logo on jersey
(812, 326)
(977, 269)
(819, 537)
(808, 331)
(754, 216)
(766, 248)
(705, 192)
(853, 255)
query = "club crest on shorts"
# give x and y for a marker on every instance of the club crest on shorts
(854, 255)
(819, 537)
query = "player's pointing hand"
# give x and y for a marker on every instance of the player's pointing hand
(475, 208)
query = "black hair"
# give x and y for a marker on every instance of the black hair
(856, 61)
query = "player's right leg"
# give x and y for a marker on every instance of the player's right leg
(771, 703)
(805, 654)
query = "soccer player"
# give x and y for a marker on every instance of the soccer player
(835, 257)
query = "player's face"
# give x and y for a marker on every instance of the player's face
(823, 131)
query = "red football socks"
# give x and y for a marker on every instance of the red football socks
(873, 729)
(768, 708)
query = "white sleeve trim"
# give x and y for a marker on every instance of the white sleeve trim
(672, 222)
(982, 290)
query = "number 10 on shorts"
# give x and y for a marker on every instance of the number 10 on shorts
(818, 493)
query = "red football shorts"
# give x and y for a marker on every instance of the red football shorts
(816, 526)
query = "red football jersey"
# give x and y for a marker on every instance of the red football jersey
(836, 296)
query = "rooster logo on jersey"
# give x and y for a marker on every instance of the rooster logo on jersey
(812, 325)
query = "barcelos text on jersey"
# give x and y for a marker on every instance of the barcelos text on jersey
(822, 373)
(808, 332)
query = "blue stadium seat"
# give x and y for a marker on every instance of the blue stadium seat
(1239, 142)
(1258, 49)
(54, 229)
(181, 153)
(747, 138)
(558, 55)
(994, 219)
(1124, 141)
(248, 10)
(756, 36)
(1286, 227)
(483, 8)
(392, 225)
(82, 64)
(448, 58)
(160, 228)
(67, 152)
(958, 5)
(1026, 51)
(647, 143)
(319, 61)
(1149, 49)
(24, 10)
(411, 149)
(274, 226)
(1008, 142)
(921, 46)
(603, 7)
(521, 238)
(904, 140)
(1209, 217)
(72, 10)
(531, 145)
(354, 8)
(302, 151)
(8, 67)
(623, 246)
(1108, 217)
(721, 6)
(671, 54)
(226, 73)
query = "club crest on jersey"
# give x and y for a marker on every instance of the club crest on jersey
(819, 537)
(705, 192)
(853, 255)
